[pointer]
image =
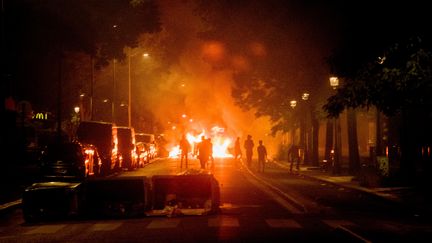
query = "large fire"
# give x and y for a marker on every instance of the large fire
(220, 144)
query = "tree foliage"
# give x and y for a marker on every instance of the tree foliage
(39, 36)
(99, 28)
(401, 79)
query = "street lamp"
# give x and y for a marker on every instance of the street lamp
(145, 55)
(293, 104)
(305, 137)
(77, 113)
(334, 83)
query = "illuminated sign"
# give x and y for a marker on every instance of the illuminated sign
(41, 116)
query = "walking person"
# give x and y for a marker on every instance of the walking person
(248, 145)
(184, 147)
(294, 156)
(262, 156)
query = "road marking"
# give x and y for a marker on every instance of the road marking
(234, 206)
(223, 222)
(336, 223)
(352, 233)
(283, 223)
(105, 226)
(46, 229)
(281, 197)
(163, 223)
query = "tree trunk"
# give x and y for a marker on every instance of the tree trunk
(354, 157)
(329, 140)
(314, 141)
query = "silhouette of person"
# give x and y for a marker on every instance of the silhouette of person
(203, 152)
(248, 145)
(294, 156)
(237, 149)
(184, 147)
(262, 156)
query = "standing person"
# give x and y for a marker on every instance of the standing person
(237, 149)
(294, 156)
(262, 156)
(248, 145)
(184, 147)
(203, 152)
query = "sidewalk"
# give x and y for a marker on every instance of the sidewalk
(408, 196)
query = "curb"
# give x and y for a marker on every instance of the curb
(352, 187)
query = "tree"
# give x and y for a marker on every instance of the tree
(397, 83)
(40, 32)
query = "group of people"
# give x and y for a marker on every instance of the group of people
(204, 152)
(248, 145)
(293, 153)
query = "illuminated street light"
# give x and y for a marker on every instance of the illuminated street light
(334, 83)
(305, 96)
(76, 109)
(293, 103)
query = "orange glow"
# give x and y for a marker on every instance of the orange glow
(258, 49)
(240, 63)
(213, 51)
(220, 143)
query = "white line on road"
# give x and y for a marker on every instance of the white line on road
(163, 223)
(105, 226)
(283, 223)
(46, 229)
(286, 202)
(223, 222)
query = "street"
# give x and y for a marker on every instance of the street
(274, 206)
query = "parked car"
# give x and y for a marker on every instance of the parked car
(103, 135)
(69, 161)
(127, 147)
(142, 153)
(147, 146)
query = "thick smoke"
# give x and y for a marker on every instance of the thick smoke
(206, 87)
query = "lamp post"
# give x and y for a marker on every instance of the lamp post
(334, 83)
(304, 128)
(129, 86)
(77, 113)
(293, 104)
(114, 92)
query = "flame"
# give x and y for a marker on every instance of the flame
(220, 143)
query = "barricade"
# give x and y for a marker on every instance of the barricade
(52, 200)
(117, 196)
(184, 195)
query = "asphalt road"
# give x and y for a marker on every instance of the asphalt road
(274, 206)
